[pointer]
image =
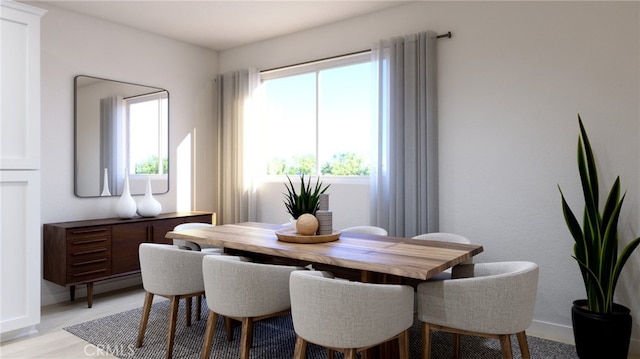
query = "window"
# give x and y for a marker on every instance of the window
(317, 118)
(147, 148)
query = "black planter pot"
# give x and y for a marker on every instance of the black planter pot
(599, 335)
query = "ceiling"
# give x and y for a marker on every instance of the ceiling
(221, 25)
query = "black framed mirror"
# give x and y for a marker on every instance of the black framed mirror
(120, 128)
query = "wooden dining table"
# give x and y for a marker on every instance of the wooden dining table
(356, 256)
(372, 258)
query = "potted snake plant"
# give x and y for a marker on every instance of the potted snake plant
(307, 200)
(602, 328)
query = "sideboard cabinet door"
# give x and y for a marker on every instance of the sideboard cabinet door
(126, 239)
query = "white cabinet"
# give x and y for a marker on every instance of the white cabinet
(20, 249)
(20, 229)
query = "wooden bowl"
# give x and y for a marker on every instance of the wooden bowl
(290, 235)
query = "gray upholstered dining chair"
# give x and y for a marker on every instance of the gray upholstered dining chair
(366, 229)
(348, 316)
(491, 300)
(443, 237)
(169, 272)
(192, 246)
(446, 237)
(238, 289)
(184, 244)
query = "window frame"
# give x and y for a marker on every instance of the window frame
(315, 67)
(159, 97)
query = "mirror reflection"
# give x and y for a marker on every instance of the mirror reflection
(120, 128)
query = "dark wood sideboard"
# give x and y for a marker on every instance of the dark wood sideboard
(84, 252)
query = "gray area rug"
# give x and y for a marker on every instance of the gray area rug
(273, 339)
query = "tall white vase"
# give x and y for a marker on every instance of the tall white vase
(105, 184)
(149, 206)
(126, 205)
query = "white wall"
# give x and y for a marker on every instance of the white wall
(511, 81)
(72, 45)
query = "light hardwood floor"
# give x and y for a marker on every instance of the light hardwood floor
(52, 341)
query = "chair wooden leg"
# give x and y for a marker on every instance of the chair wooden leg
(524, 345)
(505, 345)
(228, 327)
(426, 341)
(300, 350)
(331, 354)
(456, 345)
(188, 310)
(144, 319)
(208, 335)
(171, 331)
(246, 339)
(403, 344)
(350, 353)
(198, 307)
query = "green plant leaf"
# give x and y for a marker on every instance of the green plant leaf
(595, 291)
(622, 260)
(592, 187)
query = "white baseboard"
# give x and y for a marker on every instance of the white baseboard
(551, 331)
(14, 334)
(564, 334)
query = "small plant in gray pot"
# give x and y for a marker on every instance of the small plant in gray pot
(306, 200)
(602, 328)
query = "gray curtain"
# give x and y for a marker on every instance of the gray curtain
(111, 143)
(404, 180)
(234, 194)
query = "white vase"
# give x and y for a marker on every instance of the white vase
(149, 206)
(105, 184)
(126, 205)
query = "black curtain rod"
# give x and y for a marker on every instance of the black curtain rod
(144, 94)
(447, 35)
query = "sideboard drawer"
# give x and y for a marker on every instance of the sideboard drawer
(88, 232)
(98, 239)
(86, 268)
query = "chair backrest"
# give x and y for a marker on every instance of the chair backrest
(444, 237)
(237, 288)
(494, 298)
(167, 270)
(366, 229)
(185, 226)
(344, 314)
(187, 244)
